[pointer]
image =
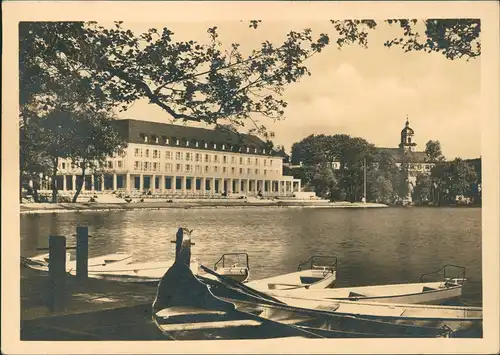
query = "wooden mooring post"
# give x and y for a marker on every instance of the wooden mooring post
(82, 252)
(183, 245)
(57, 272)
(57, 290)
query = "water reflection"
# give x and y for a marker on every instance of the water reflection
(373, 246)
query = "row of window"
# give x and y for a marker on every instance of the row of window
(117, 164)
(197, 169)
(169, 167)
(197, 144)
(199, 157)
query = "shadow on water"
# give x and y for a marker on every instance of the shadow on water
(374, 246)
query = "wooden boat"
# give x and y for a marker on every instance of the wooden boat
(119, 267)
(238, 269)
(152, 272)
(189, 307)
(414, 293)
(41, 262)
(420, 318)
(147, 272)
(116, 267)
(455, 318)
(311, 275)
(323, 321)
(185, 309)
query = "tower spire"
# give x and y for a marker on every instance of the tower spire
(406, 137)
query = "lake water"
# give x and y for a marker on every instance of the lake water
(373, 246)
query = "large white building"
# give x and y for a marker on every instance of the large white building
(166, 158)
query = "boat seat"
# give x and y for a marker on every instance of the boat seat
(310, 279)
(329, 308)
(425, 288)
(221, 324)
(355, 294)
(184, 311)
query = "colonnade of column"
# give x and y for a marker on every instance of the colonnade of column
(162, 183)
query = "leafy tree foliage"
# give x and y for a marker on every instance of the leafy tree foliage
(388, 178)
(62, 106)
(324, 181)
(191, 81)
(86, 137)
(384, 179)
(32, 158)
(476, 186)
(57, 130)
(94, 141)
(462, 176)
(454, 38)
(380, 188)
(423, 191)
(451, 180)
(313, 150)
(320, 151)
(433, 151)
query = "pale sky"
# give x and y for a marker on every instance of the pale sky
(361, 92)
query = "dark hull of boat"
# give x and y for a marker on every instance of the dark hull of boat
(324, 323)
(329, 325)
(185, 309)
(233, 325)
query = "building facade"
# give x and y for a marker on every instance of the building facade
(406, 153)
(161, 158)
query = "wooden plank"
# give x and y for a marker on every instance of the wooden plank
(210, 325)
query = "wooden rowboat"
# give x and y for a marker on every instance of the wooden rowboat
(152, 272)
(147, 272)
(321, 320)
(458, 319)
(41, 262)
(319, 272)
(119, 267)
(414, 293)
(234, 265)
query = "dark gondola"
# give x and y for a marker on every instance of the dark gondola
(185, 309)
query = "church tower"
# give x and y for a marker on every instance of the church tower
(407, 145)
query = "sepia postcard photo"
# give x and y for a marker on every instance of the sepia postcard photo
(250, 177)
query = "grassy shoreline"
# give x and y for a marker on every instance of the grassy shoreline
(89, 206)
